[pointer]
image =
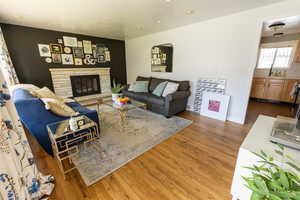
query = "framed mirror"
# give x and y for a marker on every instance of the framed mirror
(162, 58)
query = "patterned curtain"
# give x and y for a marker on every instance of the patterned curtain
(19, 176)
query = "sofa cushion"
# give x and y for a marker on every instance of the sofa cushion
(139, 86)
(154, 83)
(170, 88)
(158, 91)
(152, 99)
(183, 85)
(58, 107)
(139, 96)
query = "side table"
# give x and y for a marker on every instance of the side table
(65, 142)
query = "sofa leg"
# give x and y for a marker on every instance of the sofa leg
(167, 116)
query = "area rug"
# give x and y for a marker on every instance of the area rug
(117, 146)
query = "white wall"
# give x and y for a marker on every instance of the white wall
(224, 47)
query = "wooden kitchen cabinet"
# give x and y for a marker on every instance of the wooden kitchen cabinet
(258, 88)
(288, 86)
(297, 53)
(273, 89)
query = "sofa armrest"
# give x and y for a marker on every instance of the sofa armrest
(178, 95)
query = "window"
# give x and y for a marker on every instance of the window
(274, 57)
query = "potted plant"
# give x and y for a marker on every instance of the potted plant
(269, 181)
(116, 90)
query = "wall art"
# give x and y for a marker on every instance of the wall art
(60, 41)
(48, 60)
(67, 59)
(214, 85)
(56, 58)
(89, 60)
(44, 50)
(55, 48)
(78, 61)
(70, 41)
(107, 55)
(67, 50)
(78, 52)
(79, 44)
(215, 105)
(87, 46)
(162, 58)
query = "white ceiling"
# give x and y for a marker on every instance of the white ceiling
(292, 26)
(118, 19)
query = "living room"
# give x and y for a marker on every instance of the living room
(137, 100)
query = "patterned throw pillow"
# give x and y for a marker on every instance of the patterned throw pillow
(158, 91)
(170, 88)
(47, 93)
(139, 86)
(58, 107)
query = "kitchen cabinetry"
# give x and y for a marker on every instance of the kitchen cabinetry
(297, 54)
(273, 89)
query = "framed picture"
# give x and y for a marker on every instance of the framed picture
(67, 50)
(60, 41)
(87, 46)
(78, 52)
(67, 59)
(78, 61)
(70, 41)
(56, 58)
(79, 44)
(55, 48)
(215, 105)
(44, 50)
(48, 60)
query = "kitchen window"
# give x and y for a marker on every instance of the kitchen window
(275, 57)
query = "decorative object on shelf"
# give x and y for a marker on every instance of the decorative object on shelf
(87, 46)
(162, 58)
(100, 53)
(274, 179)
(67, 59)
(78, 61)
(60, 41)
(79, 44)
(116, 90)
(44, 50)
(89, 60)
(56, 58)
(55, 48)
(215, 105)
(286, 131)
(70, 41)
(78, 52)
(48, 60)
(107, 55)
(67, 50)
(207, 85)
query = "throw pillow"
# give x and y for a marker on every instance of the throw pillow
(170, 88)
(158, 91)
(47, 93)
(139, 86)
(58, 107)
(28, 87)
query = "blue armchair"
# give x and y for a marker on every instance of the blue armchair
(35, 117)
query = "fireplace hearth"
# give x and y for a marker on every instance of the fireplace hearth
(83, 85)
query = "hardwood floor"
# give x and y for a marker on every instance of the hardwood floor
(197, 163)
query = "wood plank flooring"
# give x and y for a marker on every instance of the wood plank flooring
(197, 163)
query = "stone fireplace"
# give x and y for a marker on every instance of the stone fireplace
(87, 82)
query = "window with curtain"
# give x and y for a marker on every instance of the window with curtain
(274, 57)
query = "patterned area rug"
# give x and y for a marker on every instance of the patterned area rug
(118, 146)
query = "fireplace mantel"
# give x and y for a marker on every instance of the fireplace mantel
(62, 82)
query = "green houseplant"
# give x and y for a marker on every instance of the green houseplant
(116, 90)
(269, 181)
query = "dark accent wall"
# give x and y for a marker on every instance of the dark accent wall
(22, 43)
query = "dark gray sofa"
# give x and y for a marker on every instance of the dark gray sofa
(167, 106)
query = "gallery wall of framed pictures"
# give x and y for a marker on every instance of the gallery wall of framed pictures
(71, 51)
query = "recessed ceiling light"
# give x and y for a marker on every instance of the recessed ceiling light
(139, 28)
(158, 21)
(168, 1)
(189, 12)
